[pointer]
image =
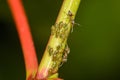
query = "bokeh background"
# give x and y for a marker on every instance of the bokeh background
(95, 44)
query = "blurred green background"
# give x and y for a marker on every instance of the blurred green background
(95, 44)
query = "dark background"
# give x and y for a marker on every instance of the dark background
(95, 44)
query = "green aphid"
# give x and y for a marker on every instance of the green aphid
(53, 30)
(50, 50)
(61, 24)
(57, 33)
(58, 47)
(63, 35)
(56, 55)
(54, 68)
(54, 64)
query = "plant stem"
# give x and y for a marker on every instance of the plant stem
(54, 52)
(25, 36)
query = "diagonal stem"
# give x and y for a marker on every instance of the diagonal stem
(55, 53)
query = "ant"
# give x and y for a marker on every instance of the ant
(70, 14)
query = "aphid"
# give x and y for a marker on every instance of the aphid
(54, 64)
(57, 30)
(50, 50)
(58, 47)
(53, 30)
(63, 35)
(67, 49)
(66, 52)
(56, 24)
(57, 33)
(52, 71)
(65, 55)
(57, 56)
(62, 25)
(54, 57)
(53, 68)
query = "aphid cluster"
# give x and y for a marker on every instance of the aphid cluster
(59, 57)
(50, 50)
(59, 30)
(58, 54)
(56, 58)
(65, 55)
(53, 68)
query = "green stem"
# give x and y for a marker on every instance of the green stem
(55, 50)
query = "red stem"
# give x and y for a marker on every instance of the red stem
(23, 30)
